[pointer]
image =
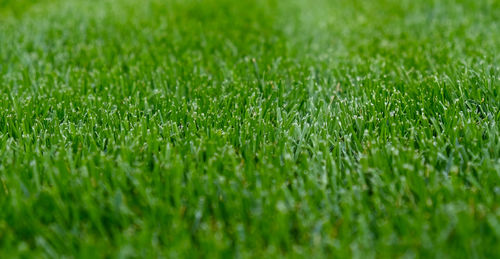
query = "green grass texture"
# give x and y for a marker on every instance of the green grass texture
(250, 129)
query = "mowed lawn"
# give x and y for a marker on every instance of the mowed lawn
(250, 128)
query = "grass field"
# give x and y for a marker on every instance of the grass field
(250, 128)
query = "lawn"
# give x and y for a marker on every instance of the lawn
(250, 128)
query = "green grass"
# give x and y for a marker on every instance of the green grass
(252, 128)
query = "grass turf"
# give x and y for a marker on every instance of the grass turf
(250, 128)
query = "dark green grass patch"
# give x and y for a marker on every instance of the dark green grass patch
(250, 129)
